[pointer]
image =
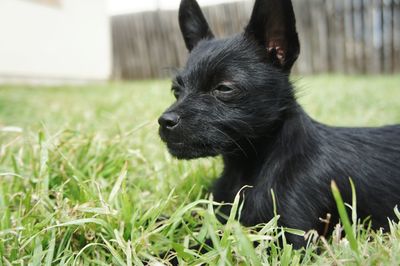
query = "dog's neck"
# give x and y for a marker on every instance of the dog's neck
(294, 135)
(270, 157)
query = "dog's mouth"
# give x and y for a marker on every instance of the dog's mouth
(184, 150)
(187, 145)
(182, 147)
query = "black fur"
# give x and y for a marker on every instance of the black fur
(234, 99)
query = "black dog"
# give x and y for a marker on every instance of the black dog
(234, 99)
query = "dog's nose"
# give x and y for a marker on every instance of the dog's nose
(169, 120)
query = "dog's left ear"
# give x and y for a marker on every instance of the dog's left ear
(273, 25)
(193, 24)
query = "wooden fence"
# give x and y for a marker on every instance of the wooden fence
(345, 36)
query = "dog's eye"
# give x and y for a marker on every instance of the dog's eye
(224, 89)
(176, 91)
(224, 92)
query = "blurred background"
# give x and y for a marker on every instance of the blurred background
(60, 41)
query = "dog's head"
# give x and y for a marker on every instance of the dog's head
(234, 90)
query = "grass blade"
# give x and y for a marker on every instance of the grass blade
(50, 251)
(37, 253)
(246, 246)
(118, 183)
(353, 206)
(344, 217)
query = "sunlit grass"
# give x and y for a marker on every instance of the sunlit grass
(84, 179)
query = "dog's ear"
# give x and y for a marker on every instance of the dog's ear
(273, 25)
(193, 24)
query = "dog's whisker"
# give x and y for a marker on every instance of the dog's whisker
(234, 141)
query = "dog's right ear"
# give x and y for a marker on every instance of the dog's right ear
(273, 25)
(193, 24)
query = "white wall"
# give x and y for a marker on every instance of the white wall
(69, 42)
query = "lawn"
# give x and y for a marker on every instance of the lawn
(84, 179)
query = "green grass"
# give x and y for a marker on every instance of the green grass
(84, 179)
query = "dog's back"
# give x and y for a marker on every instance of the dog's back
(371, 158)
